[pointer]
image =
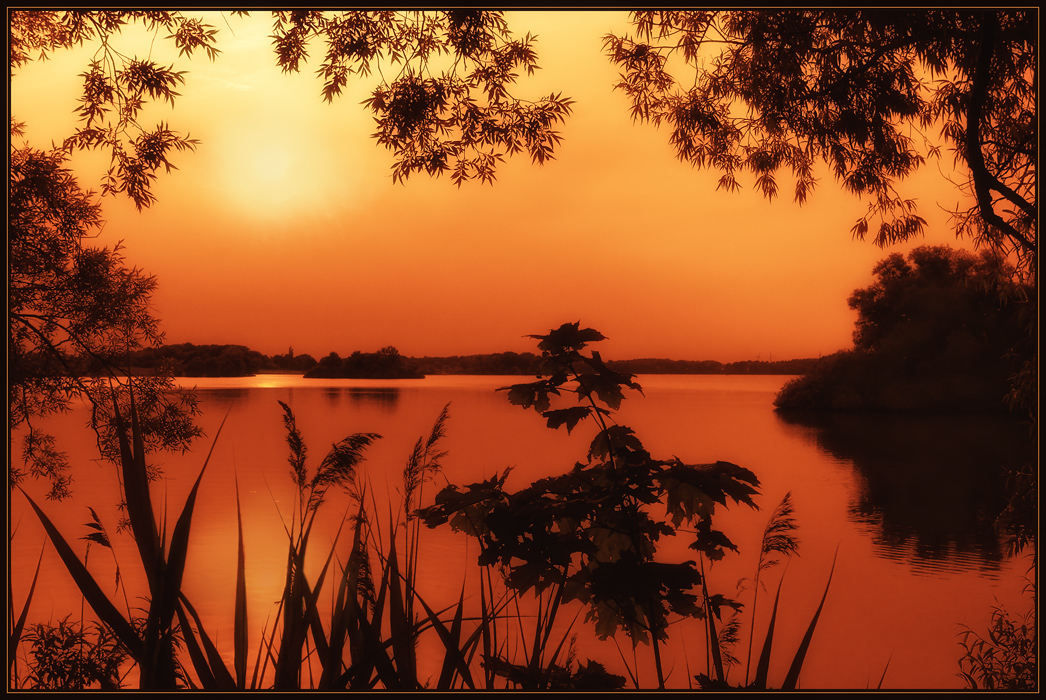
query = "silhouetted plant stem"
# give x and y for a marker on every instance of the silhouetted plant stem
(778, 538)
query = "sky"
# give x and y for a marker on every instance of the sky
(284, 228)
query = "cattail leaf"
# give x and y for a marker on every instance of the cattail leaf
(213, 665)
(792, 679)
(453, 660)
(763, 668)
(402, 628)
(139, 502)
(19, 625)
(240, 614)
(174, 569)
(92, 592)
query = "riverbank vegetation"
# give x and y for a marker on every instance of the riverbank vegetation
(589, 540)
(941, 329)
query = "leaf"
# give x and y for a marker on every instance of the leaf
(800, 655)
(615, 439)
(763, 667)
(569, 417)
(240, 615)
(213, 665)
(16, 629)
(533, 394)
(92, 592)
(567, 337)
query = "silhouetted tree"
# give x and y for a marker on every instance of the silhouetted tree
(331, 365)
(73, 308)
(765, 91)
(932, 331)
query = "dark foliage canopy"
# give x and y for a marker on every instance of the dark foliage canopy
(863, 91)
(940, 329)
(442, 98)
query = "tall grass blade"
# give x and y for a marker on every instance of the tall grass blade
(883, 677)
(359, 590)
(179, 548)
(376, 660)
(387, 674)
(559, 648)
(800, 655)
(136, 496)
(240, 614)
(763, 669)
(313, 619)
(292, 639)
(453, 661)
(196, 656)
(16, 630)
(92, 592)
(207, 661)
(489, 629)
(713, 641)
(778, 539)
(342, 618)
(713, 635)
(401, 626)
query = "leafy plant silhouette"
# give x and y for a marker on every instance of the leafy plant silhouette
(591, 535)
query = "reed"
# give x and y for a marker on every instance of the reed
(150, 643)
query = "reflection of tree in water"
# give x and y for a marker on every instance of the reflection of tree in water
(931, 487)
(384, 398)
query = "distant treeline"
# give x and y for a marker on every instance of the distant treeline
(387, 363)
(189, 360)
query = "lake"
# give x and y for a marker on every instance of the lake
(902, 504)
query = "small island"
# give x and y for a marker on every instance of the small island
(387, 363)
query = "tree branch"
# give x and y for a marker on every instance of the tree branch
(983, 180)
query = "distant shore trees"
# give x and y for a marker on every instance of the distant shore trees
(189, 360)
(387, 363)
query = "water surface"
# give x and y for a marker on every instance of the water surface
(902, 505)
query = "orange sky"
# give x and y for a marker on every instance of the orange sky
(284, 228)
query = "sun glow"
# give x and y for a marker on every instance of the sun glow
(264, 176)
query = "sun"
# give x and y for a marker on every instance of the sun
(267, 175)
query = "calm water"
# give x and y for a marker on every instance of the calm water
(906, 503)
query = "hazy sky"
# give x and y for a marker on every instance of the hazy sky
(284, 228)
